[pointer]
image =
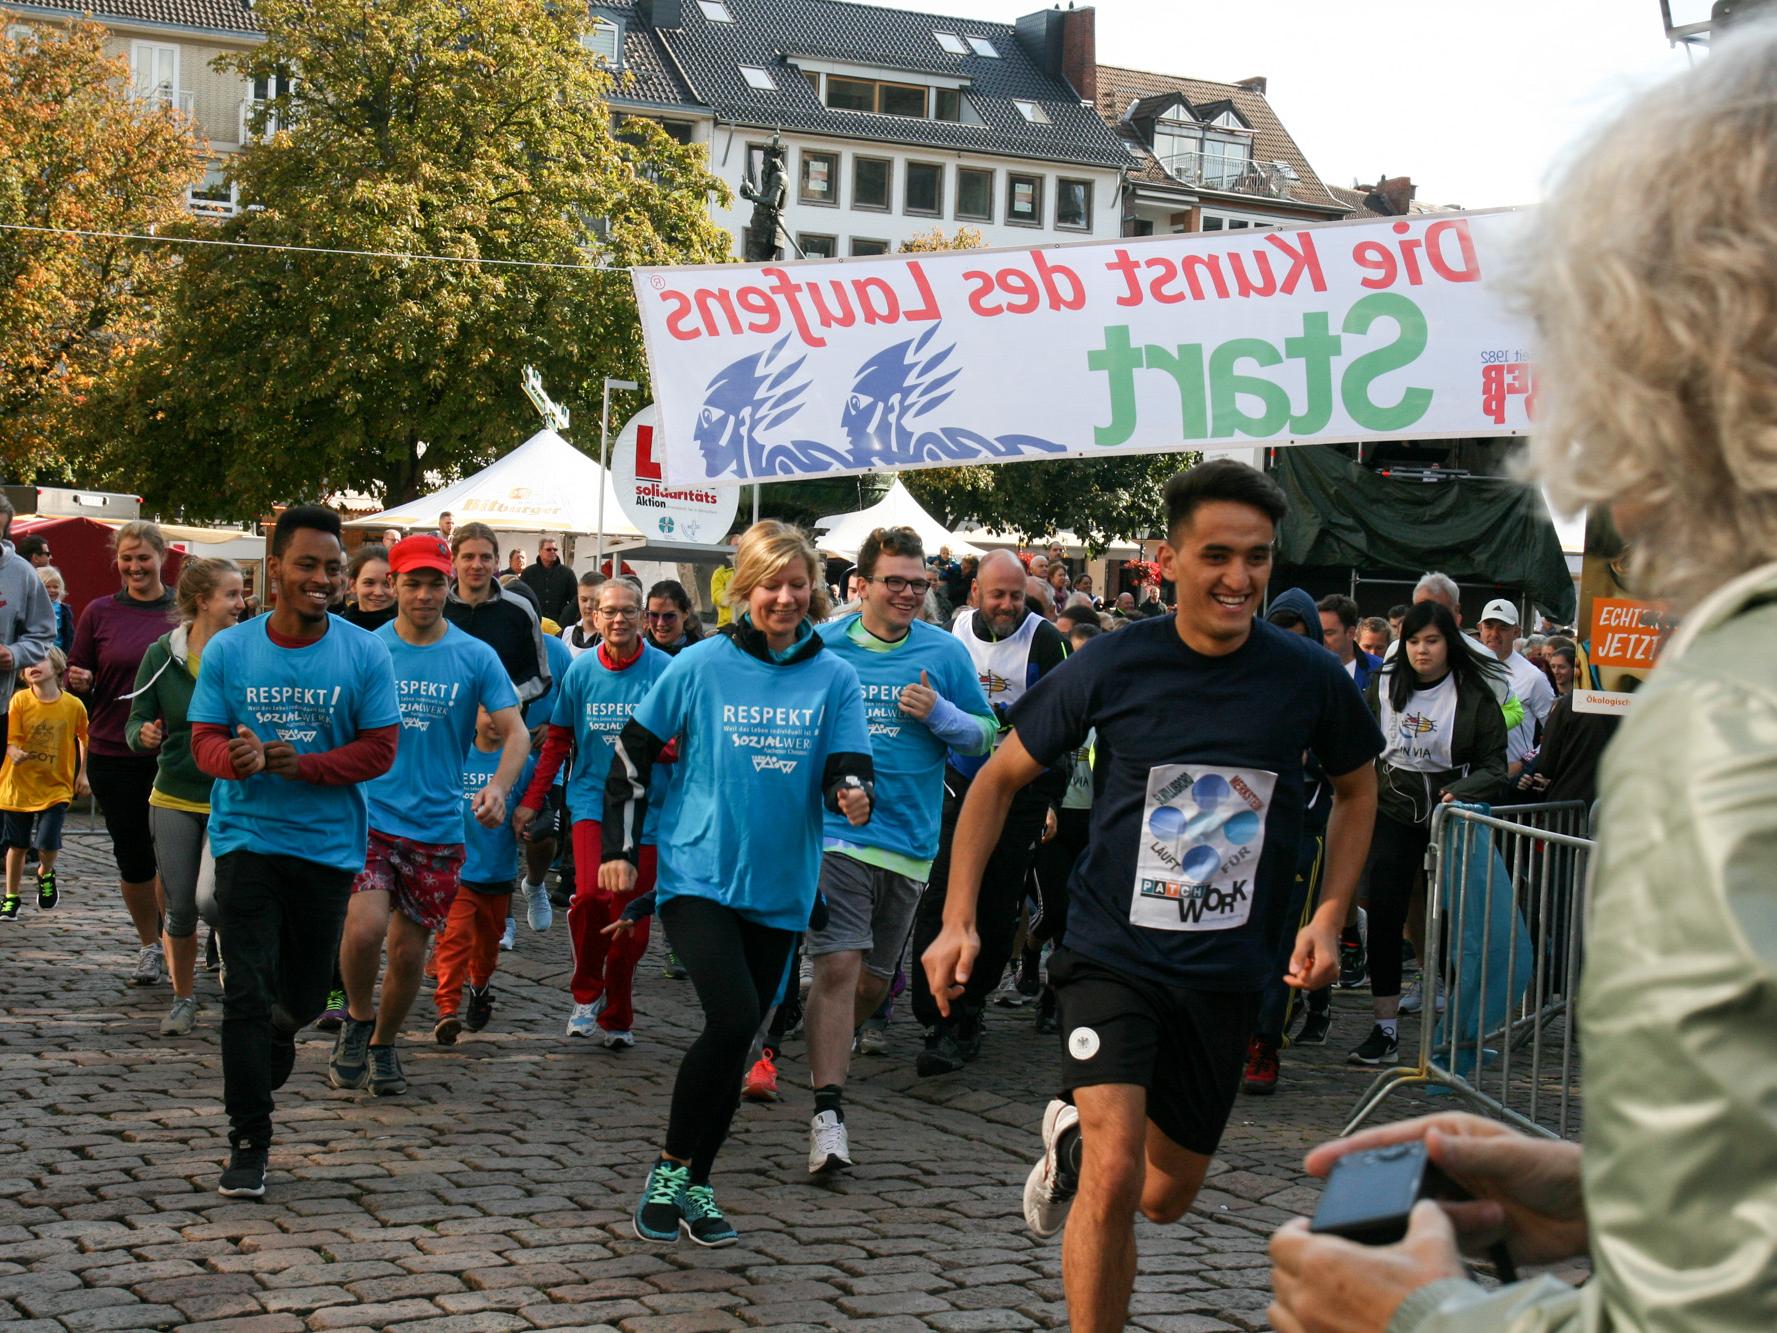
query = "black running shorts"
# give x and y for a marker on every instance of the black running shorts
(1186, 1047)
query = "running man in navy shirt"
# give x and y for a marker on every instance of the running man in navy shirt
(292, 711)
(1182, 894)
(415, 849)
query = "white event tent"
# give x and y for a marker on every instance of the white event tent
(844, 533)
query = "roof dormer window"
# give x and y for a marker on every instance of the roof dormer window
(715, 11)
(1031, 111)
(950, 42)
(982, 47)
(758, 77)
(602, 38)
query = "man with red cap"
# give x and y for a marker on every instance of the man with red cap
(404, 892)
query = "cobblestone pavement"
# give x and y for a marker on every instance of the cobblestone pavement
(496, 1193)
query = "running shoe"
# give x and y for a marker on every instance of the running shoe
(244, 1177)
(349, 1065)
(1378, 1048)
(47, 897)
(447, 1029)
(179, 1019)
(9, 907)
(509, 936)
(584, 1021)
(941, 1055)
(1009, 994)
(1260, 1077)
(805, 975)
(538, 910)
(1354, 966)
(386, 1078)
(829, 1147)
(873, 1037)
(619, 1039)
(760, 1084)
(703, 1221)
(672, 969)
(658, 1215)
(1314, 1028)
(481, 1007)
(1413, 997)
(151, 966)
(1050, 1188)
(335, 1012)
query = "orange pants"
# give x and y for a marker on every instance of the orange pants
(469, 945)
(603, 966)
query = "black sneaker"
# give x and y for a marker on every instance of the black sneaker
(481, 1008)
(971, 1029)
(47, 897)
(1314, 1028)
(9, 907)
(1378, 1048)
(244, 1177)
(941, 1055)
(1354, 966)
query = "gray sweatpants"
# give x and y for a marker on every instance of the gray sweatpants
(187, 872)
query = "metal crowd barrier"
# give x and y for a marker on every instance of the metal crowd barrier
(1512, 1053)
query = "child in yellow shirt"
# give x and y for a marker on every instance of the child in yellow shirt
(45, 769)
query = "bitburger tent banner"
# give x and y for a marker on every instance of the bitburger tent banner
(1392, 328)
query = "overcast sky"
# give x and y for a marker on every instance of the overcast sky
(1475, 101)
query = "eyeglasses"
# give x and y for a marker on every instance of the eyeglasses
(621, 613)
(898, 585)
(664, 617)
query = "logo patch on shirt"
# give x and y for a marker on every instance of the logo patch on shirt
(775, 763)
(1203, 831)
(1082, 1043)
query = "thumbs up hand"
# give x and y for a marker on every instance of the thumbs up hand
(917, 700)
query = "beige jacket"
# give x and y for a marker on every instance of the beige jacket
(1678, 1008)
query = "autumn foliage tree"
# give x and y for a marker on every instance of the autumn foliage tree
(473, 139)
(77, 153)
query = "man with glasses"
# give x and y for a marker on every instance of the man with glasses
(671, 624)
(921, 697)
(553, 582)
(600, 691)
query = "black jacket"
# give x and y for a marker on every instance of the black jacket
(557, 589)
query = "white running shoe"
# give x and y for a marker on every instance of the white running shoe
(584, 1021)
(539, 911)
(829, 1148)
(619, 1040)
(151, 966)
(1050, 1188)
(1413, 997)
(509, 937)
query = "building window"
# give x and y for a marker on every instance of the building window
(947, 104)
(860, 246)
(850, 94)
(715, 11)
(952, 43)
(1024, 200)
(982, 47)
(601, 38)
(1211, 224)
(1073, 204)
(759, 78)
(154, 70)
(1031, 111)
(818, 247)
(872, 182)
(213, 195)
(925, 188)
(901, 99)
(974, 195)
(820, 178)
(885, 99)
(680, 131)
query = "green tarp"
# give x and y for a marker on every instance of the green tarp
(1475, 529)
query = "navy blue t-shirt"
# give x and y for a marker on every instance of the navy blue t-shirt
(1198, 803)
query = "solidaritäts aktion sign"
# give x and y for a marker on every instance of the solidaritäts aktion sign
(1348, 331)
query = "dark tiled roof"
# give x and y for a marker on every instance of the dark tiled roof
(214, 15)
(763, 31)
(1118, 88)
(648, 71)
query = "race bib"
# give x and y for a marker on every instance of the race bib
(1203, 830)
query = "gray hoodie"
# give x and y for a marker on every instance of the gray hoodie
(27, 617)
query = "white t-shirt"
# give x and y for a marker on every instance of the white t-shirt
(1419, 736)
(1351, 668)
(1538, 697)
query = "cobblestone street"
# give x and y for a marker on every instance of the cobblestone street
(496, 1193)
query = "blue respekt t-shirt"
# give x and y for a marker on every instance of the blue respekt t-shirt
(439, 686)
(317, 698)
(540, 710)
(596, 703)
(490, 855)
(1197, 819)
(740, 822)
(908, 756)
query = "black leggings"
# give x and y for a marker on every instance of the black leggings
(1397, 855)
(736, 966)
(1054, 864)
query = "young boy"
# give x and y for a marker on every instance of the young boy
(45, 769)
(469, 947)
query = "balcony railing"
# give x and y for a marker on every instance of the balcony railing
(273, 121)
(179, 99)
(1237, 175)
(212, 202)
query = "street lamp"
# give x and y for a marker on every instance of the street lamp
(598, 550)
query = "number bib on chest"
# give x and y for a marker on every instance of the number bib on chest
(1203, 830)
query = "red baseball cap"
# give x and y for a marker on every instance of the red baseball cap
(421, 551)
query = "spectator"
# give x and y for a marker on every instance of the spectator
(1396, 614)
(446, 525)
(390, 537)
(1151, 605)
(57, 588)
(1652, 400)
(957, 585)
(1038, 596)
(515, 562)
(1060, 585)
(1374, 636)
(719, 582)
(1083, 588)
(35, 549)
(553, 582)
(1338, 625)
(1499, 630)
(1561, 663)
(1125, 606)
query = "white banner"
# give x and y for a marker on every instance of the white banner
(1391, 328)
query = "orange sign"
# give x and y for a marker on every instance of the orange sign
(1625, 633)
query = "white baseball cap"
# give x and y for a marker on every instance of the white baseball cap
(1501, 610)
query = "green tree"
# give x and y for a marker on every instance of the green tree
(77, 152)
(476, 130)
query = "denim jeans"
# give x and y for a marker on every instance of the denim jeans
(279, 921)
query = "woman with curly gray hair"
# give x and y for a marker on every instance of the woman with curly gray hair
(1655, 283)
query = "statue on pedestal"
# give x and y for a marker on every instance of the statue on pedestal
(768, 196)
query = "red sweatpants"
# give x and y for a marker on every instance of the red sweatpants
(469, 945)
(603, 966)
